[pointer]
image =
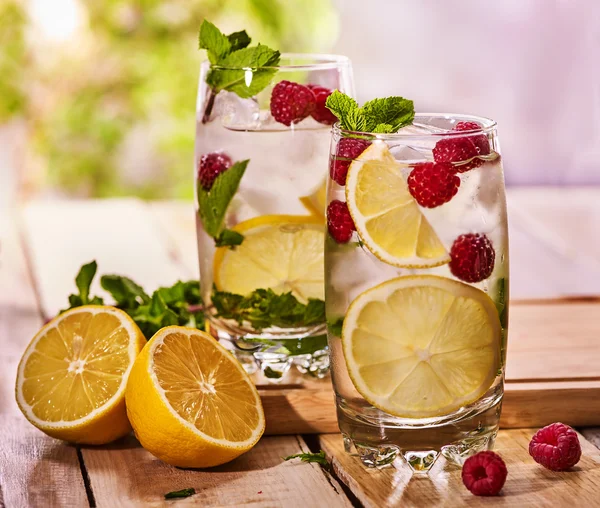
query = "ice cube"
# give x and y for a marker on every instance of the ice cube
(237, 113)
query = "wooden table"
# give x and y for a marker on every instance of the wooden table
(555, 253)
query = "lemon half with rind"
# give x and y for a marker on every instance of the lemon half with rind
(422, 346)
(71, 379)
(279, 252)
(190, 401)
(387, 218)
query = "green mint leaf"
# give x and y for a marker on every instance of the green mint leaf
(306, 345)
(212, 204)
(356, 120)
(341, 105)
(501, 301)
(247, 76)
(272, 374)
(229, 238)
(154, 315)
(335, 326)
(216, 44)
(180, 493)
(239, 40)
(84, 279)
(394, 111)
(127, 294)
(314, 313)
(319, 458)
(383, 128)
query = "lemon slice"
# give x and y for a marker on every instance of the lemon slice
(387, 218)
(316, 202)
(190, 402)
(71, 379)
(422, 346)
(280, 252)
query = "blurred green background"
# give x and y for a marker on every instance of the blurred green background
(103, 93)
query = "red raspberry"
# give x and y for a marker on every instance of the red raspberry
(484, 474)
(481, 142)
(321, 113)
(347, 149)
(556, 447)
(433, 184)
(212, 165)
(339, 221)
(457, 150)
(291, 102)
(472, 257)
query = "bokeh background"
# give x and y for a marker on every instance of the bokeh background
(97, 98)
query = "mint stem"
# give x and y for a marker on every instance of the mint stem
(193, 309)
(209, 106)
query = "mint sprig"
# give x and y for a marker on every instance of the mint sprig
(213, 203)
(263, 308)
(319, 458)
(377, 116)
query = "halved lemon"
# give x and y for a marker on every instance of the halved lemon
(387, 218)
(190, 402)
(71, 379)
(422, 346)
(280, 252)
(316, 202)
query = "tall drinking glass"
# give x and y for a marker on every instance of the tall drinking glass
(416, 289)
(260, 205)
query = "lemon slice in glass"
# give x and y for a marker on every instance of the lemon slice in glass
(387, 218)
(190, 402)
(316, 202)
(279, 252)
(422, 346)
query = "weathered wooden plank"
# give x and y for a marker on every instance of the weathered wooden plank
(126, 475)
(35, 470)
(528, 484)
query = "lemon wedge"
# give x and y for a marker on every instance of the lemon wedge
(190, 402)
(422, 346)
(387, 218)
(279, 252)
(71, 379)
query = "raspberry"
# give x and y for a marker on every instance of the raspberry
(484, 473)
(339, 221)
(457, 150)
(212, 165)
(321, 113)
(433, 184)
(556, 447)
(472, 257)
(291, 102)
(481, 142)
(347, 149)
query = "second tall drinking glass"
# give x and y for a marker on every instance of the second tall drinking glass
(260, 201)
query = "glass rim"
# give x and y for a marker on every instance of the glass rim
(487, 126)
(318, 61)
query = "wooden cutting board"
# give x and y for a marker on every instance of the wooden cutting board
(553, 374)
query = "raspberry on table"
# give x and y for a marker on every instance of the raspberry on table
(455, 150)
(212, 165)
(472, 257)
(481, 142)
(433, 184)
(339, 221)
(484, 473)
(347, 150)
(321, 113)
(291, 102)
(556, 447)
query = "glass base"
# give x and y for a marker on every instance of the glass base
(418, 445)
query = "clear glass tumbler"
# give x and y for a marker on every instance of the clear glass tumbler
(416, 289)
(260, 208)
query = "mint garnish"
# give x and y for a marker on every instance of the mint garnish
(263, 308)
(83, 281)
(213, 203)
(335, 327)
(378, 115)
(180, 493)
(319, 458)
(229, 238)
(232, 51)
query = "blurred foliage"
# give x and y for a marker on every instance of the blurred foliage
(112, 112)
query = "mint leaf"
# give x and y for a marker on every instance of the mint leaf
(335, 327)
(383, 128)
(180, 493)
(84, 279)
(229, 238)
(319, 458)
(272, 374)
(394, 111)
(127, 294)
(214, 42)
(238, 40)
(247, 77)
(213, 203)
(341, 105)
